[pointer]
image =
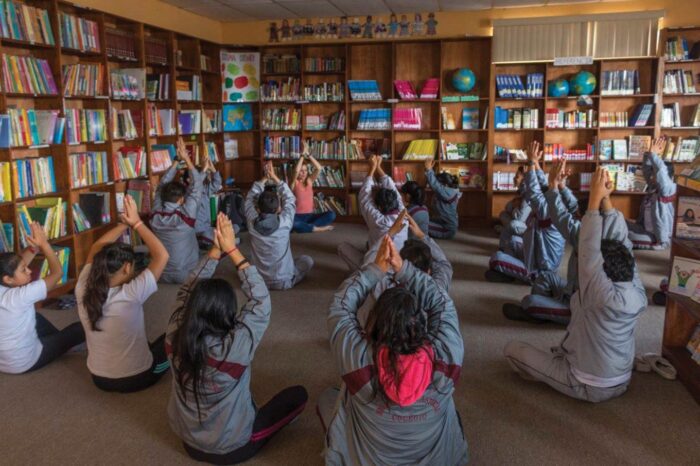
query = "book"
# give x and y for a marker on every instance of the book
(91, 210)
(231, 149)
(49, 212)
(283, 63)
(156, 50)
(363, 148)
(374, 119)
(189, 121)
(405, 89)
(462, 150)
(316, 65)
(364, 90)
(676, 49)
(79, 33)
(140, 191)
(158, 86)
(407, 118)
(333, 149)
(22, 22)
(277, 147)
(27, 75)
(281, 119)
(40, 267)
(162, 156)
(688, 217)
(88, 168)
(128, 83)
(280, 91)
(511, 86)
(188, 88)
(7, 237)
(638, 145)
(33, 176)
(329, 177)
(211, 151)
(129, 162)
(679, 81)
(211, 121)
(516, 118)
(161, 121)
(421, 149)
(237, 117)
(685, 277)
(470, 118)
(5, 183)
(85, 125)
(574, 119)
(620, 82)
(671, 115)
(127, 124)
(83, 80)
(324, 92)
(120, 44)
(430, 89)
(323, 203)
(641, 115)
(31, 127)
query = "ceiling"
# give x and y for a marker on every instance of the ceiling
(254, 10)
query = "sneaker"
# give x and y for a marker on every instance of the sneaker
(495, 276)
(659, 298)
(515, 312)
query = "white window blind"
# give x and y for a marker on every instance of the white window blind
(600, 36)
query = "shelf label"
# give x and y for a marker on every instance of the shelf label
(392, 101)
(468, 98)
(566, 61)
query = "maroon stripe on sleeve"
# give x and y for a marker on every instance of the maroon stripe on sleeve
(189, 221)
(234, 370)
(357, 379)
(450, 370)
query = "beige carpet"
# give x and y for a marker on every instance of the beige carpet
(57, 416)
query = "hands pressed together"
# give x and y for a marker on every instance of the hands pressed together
(601, 188)
(388, 256)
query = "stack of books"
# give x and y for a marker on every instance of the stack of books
(334, 149)
(671, 115)
(49, 212)
(620, 82)
(5, 184)
(408, 118)
(280, 91)
(128, 83)
(405, 89)
(329, 177)
(34, 176)
(88, 168)
(162, 156)
(612, 149)
(641, 115)
(364, 90)
(189, 121)
(30, 127)
(324, 92)
(282, 147)
(679, 82)
(613, 119)
(83, 80)
(19, 21)
(188, 88)
(682, 149)
(511, 86)
(84, 125)
(516, 118)
(91, 210)
(553, 152)
(158, 86)
(324, 64)
(161, 121)
(120, 45)
(40, 268)
(129, 162)
(504, 154)
(676, 49)
(421, 149)
(430, 89)
(126, 124)
(328, 203)
(364, 148)
(336, 122)
(7, 237)
(374, 119)
(211, 123)
(503, 181)
(462, 150)
(79, 33)
(574, 119)
(27, 75)
(279, 64)
(281, 119)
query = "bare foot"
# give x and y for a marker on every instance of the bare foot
(322, 229)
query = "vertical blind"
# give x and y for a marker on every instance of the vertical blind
(600, 36)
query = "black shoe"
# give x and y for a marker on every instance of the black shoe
(515, 312)
(497, 277)
(659, 298)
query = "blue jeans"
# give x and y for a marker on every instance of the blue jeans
(305, 223)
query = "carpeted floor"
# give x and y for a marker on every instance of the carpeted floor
(57, 416)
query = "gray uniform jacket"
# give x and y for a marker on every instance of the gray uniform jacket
(269, 235)
(378, 223)
(543, 245)
(226, 407)
(364, 430)
(203, 223)
(660, 197)
(174, 225)
(445, 202)
(421, 216)
(599, 343)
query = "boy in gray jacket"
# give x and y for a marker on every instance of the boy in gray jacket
(174, 216)
(514, 220)
(595, 359)
(379, 416)
(269, 214)
(444, 219)
(211, 186)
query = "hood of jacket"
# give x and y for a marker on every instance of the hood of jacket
(266, 224)
(415, 372)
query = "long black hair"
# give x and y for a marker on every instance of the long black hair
(416, 194)
(448, 180)
(206, 319)
(9, 261)
(398, 323)
(105, 263)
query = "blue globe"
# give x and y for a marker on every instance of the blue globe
(583, 83)
(558, 88)
(463, 80)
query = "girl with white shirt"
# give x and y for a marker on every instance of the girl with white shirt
(28, 340)
(110, 303)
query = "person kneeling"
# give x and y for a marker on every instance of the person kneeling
(595, 359)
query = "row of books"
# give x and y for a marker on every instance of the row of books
(470, 119)
(334, 149)
(79, 33)
(574, 119)
(620, 82)
(557, 151)
(399, 174)
(30, 127)
(49, 212)
(188, 88)
(462, 150)
(189, 121)
(156, 50)
(7, 237)
(285, 63)
(129, 162)
(407, 118)
(324, 203)
(161, 121)
(281, 147)
(334, 122)
(329, 177)
(85, 125)
(613, 119)
(158, 86)
(211, 151)
(671, 116)
(681, 149)
(421, 149)
(511, 86)
(364, 90)
(324, 92)
(5, 184)
(679, 82)
(630, 149)
(676, 49)
(91, 210)
(120, 44)
(406, 91)
(27, 75)
(83, 79)
(88, 168)
(374, 119)
(127, 83)
(281, 119)
(508, 155)
(516, 118)
(503, 181)
(162, 157)
(323, 64)
(34, 177)
(126, 124)
(280, 91)
(19, 21)
(469, 177)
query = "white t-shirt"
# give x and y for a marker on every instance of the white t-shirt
(20, 347)
(120, 348)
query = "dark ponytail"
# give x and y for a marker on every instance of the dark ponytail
(105, 263)
(448, 180)
(416, 194)
(9, 261)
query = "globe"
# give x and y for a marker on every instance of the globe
(582, 83)
(463, 80)
(558, 88)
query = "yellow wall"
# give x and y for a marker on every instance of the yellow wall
(160, 14)
(458, 23)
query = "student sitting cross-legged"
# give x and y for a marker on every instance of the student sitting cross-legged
(399, 371)
(174, 217)
(28, 340)
(379, 208)
(414, 199)
(444, 219)
(514, 220)
(211, 345)
(110, 297)
(305, 220)
(594, 361)
(269, 210)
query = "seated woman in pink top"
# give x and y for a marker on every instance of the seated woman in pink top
(305, 220)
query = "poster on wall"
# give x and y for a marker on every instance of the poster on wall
(240, 76)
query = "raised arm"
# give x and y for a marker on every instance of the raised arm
(251, 212)
(441, 268)
(167, 177)
(667, 187)
(441, 190)
(317, 169)
(534, 196)
(38, 241)
(519, 217)
(159, 255)
(289, 205)
(562, 219)
(299, 164)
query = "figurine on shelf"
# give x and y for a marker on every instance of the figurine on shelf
(332, 29)
(355, 28)
(431, 25)
(380, 29)
(320, 31)
(367, 28)
(297, 30)
(417, 25)
(404, 27)
(344, 28)
(286, 31)
(274, 34)
(308, 29)
(393, 26)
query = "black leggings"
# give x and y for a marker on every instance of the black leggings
(55, 342)
(282, 409)
(140, 381)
